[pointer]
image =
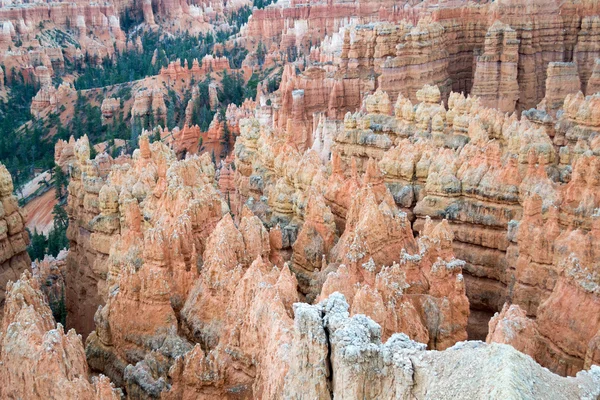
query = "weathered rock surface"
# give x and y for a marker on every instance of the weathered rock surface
(50, 274)
(14, 239)
(593, 85)
(478, 168)
(562, 80)
(511, 326)
(495, 81)
(107, 200)
(39, 360)
(497, 50)
(390, 196)
(345, 357)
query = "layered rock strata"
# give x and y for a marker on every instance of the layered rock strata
(593, 85)
(495, 80)
(562, 80)
(499, 51)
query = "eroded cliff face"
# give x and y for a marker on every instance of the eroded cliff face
(331, 354)
(499, 51)
(495, 78)
(422, 166)
(557, 273)
(372, 173)
(408, 193)
(48, 35)
(140, 257)
(511, 190)
(299, 351)
(39, 36)
(39, 360)
(214, 287)
(106, 210)
(13, 236)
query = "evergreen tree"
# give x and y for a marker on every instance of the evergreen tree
(93, 152)
(251, 86)
(155, 136)
(226, 135)
(260, 54)
(37, 246)
(202, 115)
(57, 237)
(136, 130)
(233, 89)
(60, 183)
(229, 206)
(171, 115)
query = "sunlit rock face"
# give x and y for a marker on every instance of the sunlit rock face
(109, 222)
(562, 80)
(495, 81)
(497, 50)
(387, 227)
(39, 35)
(57, 34)
(564, 341)
(214, 287)
(138, 229)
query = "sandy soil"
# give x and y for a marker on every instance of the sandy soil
(39, 212)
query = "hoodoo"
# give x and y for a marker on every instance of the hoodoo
(300, 199)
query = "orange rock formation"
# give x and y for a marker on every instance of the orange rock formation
(39, 360)
(13, 236)
(490, 49)
(427, 172)
(477, 167)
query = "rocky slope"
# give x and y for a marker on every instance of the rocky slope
(235, 301)
(38, 39)
(137, 257)
(328, 353)
(347, 356)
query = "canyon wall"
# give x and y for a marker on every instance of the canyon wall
(130, 249)
(50, 34)
(96, 219)
(14, 239)
(499, 51)
(45, 34)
